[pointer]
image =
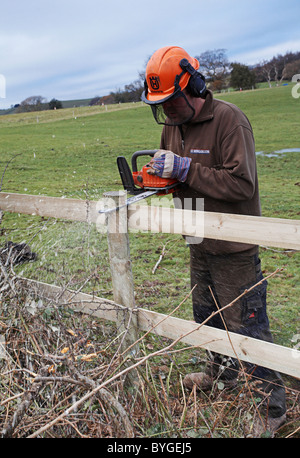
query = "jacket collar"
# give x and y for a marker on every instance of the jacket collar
(207, 112)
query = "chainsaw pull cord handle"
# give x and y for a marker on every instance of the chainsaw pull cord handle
(140, 153)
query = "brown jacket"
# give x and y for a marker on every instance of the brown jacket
(223, 168)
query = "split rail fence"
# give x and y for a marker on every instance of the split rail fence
(273, 232)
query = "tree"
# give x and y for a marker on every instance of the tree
(241, 76)
(215, 67)
(278, 68)
(291, 69)
(55, 104)
(265, 71)
(131, 93)
(33, 103)
(135, 90)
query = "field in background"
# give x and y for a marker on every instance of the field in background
(72, 153)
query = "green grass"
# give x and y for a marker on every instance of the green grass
(65, 157)
(274, 115)
(72, 153)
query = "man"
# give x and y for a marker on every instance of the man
(208, 145)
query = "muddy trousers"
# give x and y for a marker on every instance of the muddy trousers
(221, 279)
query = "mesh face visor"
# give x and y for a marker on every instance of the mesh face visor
(173, 111)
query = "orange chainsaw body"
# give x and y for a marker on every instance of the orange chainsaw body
(144, 180)
(139, 181)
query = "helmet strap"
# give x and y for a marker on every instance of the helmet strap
(177, 80)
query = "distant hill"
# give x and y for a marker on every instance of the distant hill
(65, 104)
(76, 103)
(8, 111)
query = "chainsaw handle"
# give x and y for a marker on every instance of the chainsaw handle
(135, 155)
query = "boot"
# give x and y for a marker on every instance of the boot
(268, 425)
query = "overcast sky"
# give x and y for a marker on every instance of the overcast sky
(71, 49)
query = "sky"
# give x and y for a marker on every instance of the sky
(76, 49)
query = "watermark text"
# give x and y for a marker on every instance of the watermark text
(295, 89)
(159, 214)
(2, 87)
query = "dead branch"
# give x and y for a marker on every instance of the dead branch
(7, 164)
(28, 397)
(140, 362)
(88, 371)
(103, 394)
(159, 259)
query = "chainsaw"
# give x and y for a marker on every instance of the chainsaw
(140, 183)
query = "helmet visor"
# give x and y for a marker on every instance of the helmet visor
(175, 111)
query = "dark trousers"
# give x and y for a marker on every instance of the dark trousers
(228, 276)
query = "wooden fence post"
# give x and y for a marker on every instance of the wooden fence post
(121, 270)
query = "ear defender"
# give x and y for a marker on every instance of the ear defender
(196, 84)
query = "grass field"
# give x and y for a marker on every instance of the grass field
(72, 153)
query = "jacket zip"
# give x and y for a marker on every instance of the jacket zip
(182, 138)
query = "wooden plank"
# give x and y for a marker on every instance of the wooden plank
(283, 359)
(53, 207)
(273, 232)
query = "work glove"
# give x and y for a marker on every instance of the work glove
(166, 164)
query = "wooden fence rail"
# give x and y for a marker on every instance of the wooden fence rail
(277, 357)
(274, 232)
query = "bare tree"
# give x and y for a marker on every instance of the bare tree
(215, 66)
(33, 103)
(291, 69)
(265, 71)
(280, 67)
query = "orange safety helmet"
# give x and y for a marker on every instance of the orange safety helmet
(164, 74)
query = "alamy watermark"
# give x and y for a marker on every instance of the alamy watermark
(2, 87)
(157, 215)
(296, 341)
(295, 89)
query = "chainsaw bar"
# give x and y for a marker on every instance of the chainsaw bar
(131, 200)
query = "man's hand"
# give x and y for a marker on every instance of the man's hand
(166, 164)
